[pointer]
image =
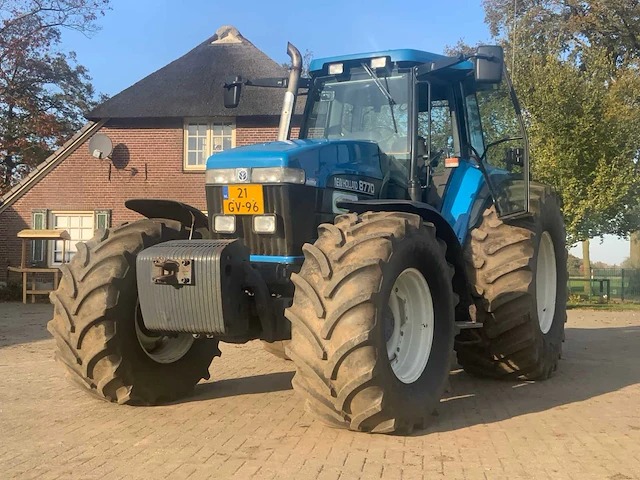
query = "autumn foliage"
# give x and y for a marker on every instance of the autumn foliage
(576, 66)
(43, 90)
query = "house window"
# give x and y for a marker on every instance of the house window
(79, 225)
(203, 138)
(197, 145)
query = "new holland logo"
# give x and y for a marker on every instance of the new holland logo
(243, 174)
(356, 185)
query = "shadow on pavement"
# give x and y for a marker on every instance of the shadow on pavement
(596, 361)
(24, 323)
(230, 387)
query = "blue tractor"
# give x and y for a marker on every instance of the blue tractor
(400, 226)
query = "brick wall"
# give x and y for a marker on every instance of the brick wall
(149, 157)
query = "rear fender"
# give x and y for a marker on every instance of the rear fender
(444, 231)
(185, 214)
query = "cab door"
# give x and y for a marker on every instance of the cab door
(499, 143)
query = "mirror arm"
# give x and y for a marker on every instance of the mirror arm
(268, 83)
(502, 140)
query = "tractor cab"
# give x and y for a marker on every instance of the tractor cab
(447, 133)
(437, 121)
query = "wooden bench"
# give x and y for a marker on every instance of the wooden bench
(25, 270)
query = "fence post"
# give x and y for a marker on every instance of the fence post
(622, 288)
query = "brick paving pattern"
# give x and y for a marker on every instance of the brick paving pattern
(246, 422)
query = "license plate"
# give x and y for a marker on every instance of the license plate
(242, 200)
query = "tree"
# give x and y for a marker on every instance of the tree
(43, 90)
(634, 257)
(574, 265)
(575, 65)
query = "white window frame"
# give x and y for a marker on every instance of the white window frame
(52, 243)
(210, 122)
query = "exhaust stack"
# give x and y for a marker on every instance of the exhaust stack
(289, 104)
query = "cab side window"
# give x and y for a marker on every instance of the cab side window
(444, 138)
(494, 126)
(495, 135)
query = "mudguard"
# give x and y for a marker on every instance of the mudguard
(170, 209)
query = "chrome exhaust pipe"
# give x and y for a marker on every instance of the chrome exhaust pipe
(289, 104)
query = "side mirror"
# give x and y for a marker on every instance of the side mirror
(232, 90)
(489, 63)
(514, 157)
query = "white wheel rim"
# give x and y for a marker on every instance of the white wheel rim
(411, 325)
(162, 348)
(546, 282)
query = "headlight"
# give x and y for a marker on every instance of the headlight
(224, 223)
(221, 176)
(265, 224)
(277, 175)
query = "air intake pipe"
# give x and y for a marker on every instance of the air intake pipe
(289, 104)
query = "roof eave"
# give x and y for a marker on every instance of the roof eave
(50, 163)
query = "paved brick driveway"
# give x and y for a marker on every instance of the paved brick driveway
(247, 423)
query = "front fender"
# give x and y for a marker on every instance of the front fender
(444, 231)
(170, 209)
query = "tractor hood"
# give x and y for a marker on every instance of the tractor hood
(319, 158)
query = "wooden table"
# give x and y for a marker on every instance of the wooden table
(25, 270)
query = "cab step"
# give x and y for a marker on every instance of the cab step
(468, 325)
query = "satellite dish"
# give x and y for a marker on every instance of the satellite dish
(100, 146)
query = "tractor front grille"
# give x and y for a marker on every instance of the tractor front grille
(295, 207)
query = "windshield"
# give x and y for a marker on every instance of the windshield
(362, 105)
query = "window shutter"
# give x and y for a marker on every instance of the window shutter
(39, 247)
(101, 219)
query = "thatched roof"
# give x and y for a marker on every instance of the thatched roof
(191, 86)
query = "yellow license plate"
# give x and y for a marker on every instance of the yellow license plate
(242, 200)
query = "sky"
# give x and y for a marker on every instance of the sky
(611, 250)
(141, 36)
(138, 37)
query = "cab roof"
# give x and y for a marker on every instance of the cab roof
(405, 55)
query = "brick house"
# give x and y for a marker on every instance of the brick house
(163, 128)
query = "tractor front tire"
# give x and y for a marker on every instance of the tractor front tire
(346, 326)
(97, 324)
(518, 273)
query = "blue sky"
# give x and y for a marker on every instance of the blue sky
(140, 36)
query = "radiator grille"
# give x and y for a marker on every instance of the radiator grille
(295, 207)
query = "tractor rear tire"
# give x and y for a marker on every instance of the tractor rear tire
(511, 267)
(97, 323)
(277, 348)
(340, 321)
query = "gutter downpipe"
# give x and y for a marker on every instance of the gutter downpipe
(289, 104)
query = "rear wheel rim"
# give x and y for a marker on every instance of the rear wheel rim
(546, 282)
(410, 325)
(162, 348)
